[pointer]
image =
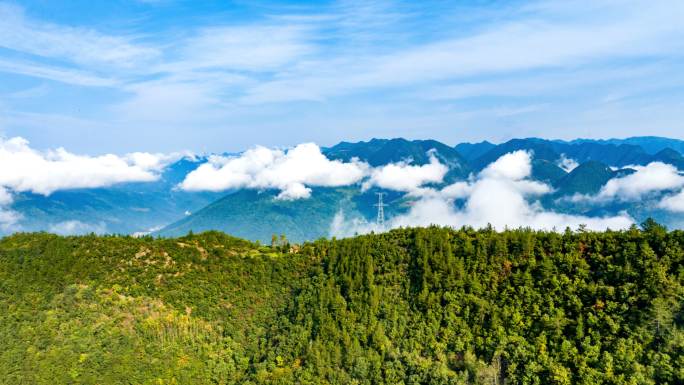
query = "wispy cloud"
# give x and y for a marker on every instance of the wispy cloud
(63, 75)
(529, 42)
(510, 68)
(82, 46)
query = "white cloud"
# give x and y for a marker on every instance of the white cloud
(45, 172)
(8, 217)
(404, 176)
(500, 195)
(342, 226)
(458, 190)
(5, 197)
(74, 227)
(293, 171)
(566, 163)
(248, 48)
(674, 203)
(69, 76)
(551, 37)
(514, 166)
(290, 171)
(652, 178)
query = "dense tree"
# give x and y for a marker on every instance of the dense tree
(411, 306)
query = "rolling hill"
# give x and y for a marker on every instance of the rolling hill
(421, 306)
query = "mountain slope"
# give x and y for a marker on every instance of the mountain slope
(422, 306)
(257, 215)
(650, 144)
(547, 172)
(616, 154)
(670, 156)
(379, 152)
(587, 178)
(143, 207)
(542, 149)
(472, 151)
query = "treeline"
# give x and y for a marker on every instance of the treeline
(411, 306)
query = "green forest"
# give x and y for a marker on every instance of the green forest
(410, 306)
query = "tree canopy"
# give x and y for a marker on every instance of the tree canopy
(410, 306)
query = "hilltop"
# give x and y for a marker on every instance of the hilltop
(422, 305)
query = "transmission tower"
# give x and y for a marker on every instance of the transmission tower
(381, 210)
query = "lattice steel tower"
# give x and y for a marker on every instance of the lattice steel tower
(381, 210)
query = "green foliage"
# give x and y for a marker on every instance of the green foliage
(412, 306)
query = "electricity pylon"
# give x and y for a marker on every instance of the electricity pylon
(381, 210)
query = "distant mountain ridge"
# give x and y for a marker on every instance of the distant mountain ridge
(650, 144)
(579, 166)
(379, 152)
(613, 154)
(311, 218)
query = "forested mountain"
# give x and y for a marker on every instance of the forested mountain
(412, 306)
(257, 215)
(312, 218)
(378, 152)
(472, 151)
(568, 167)
(587, 178)
(650, 144)
(613, 154)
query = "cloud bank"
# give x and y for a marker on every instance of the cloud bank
(25, 169)
(405, 177)
(649, 184)
(46, 172)
(673, 203)
(294, 171)
(654, 177)
(291, 172)
(499, 195)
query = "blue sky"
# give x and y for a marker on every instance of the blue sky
(165, 75)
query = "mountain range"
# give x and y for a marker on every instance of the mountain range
(570, 168)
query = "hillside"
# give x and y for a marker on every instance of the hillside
(161, 207)
(257, 215)
(378, 152)
(412, 306)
